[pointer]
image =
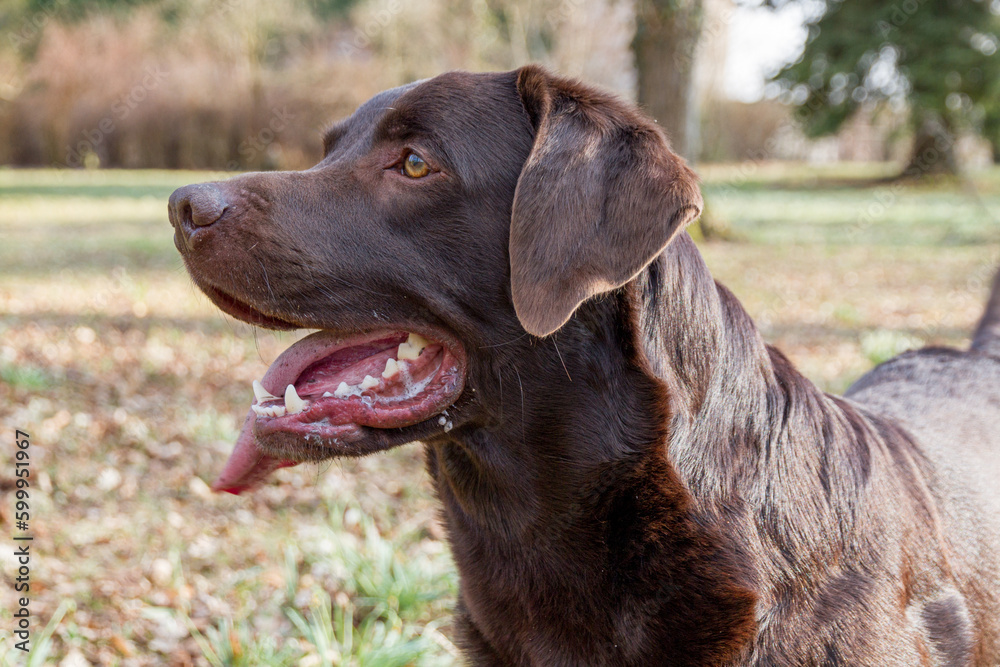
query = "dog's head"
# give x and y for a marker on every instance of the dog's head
(447, 217)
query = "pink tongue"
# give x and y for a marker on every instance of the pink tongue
(247, 465)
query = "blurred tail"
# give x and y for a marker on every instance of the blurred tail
(987, 337)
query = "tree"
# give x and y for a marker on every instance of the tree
(665, 43)
(991, 118)
(666, 37)
(932, 57)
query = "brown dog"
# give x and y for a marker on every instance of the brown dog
(630, 476)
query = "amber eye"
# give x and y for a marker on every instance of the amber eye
(415, 167)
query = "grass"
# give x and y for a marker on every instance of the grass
(132, 386)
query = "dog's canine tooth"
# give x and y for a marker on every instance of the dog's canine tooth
(293, 402)
(415, 343)
(261, 393)
(391, 368)
(368, 383)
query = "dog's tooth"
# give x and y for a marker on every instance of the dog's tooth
(268, 411)
(411, 349)
(327, 394)
(261, 393)
(368, 383)
(391, 368)
(405, 351)
(343, 391)
(293, 402)
(442, 420)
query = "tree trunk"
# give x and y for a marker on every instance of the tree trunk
(933, 149)
(666, 37)
(666, 40)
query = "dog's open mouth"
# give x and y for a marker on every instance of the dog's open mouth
(326, 393)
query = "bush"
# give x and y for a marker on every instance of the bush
(250, 84)
(136, 92)
(734, 131)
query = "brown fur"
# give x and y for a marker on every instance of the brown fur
(647, 483)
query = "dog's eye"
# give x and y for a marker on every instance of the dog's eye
(415, 167)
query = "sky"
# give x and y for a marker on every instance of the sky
(761, 41)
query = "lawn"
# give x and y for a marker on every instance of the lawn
(131, 386)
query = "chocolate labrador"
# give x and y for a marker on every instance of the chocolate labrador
(498, 268)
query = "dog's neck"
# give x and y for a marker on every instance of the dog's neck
(669, 367)
(727, 388)
(574, 484)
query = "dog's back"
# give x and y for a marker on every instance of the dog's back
(949, 401)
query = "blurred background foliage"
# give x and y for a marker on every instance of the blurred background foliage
(932, 60)
(132, 384)
(242, 84)
(249, 84)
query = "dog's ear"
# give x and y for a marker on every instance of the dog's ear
(599, 197)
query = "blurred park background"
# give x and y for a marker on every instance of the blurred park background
(847, 151)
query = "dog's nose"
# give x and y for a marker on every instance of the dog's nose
(196, 206)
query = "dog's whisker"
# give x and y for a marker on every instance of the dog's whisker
(556, 346)
(502, 344)
(521, 387)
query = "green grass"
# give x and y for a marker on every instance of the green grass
(133, 386)
(25, 377)
(380, 619)
(834, 212)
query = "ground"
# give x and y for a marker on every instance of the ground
(131, 387)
